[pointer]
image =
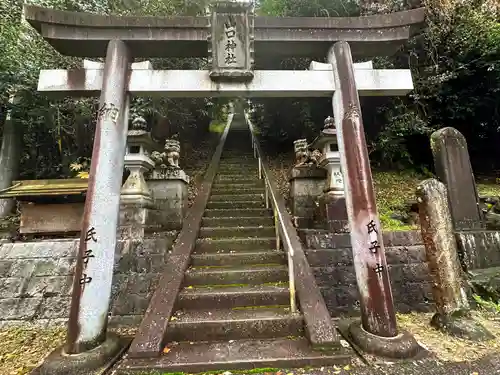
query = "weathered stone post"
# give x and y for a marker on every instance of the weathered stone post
(332, 208)
(9, 157)
(378, 332)
(306, 185)
(449, 288)
(94, 267)
(452, 162)
(169, 185)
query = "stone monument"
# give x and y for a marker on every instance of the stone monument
(453, 167)
(169, 185)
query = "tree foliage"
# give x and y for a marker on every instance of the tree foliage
(57, 133)
(455, 65)
(456, 72)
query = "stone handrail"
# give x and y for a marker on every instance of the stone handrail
(319, 327)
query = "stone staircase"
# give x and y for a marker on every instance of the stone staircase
(233, 310)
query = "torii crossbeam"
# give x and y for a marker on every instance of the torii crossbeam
(197, 83)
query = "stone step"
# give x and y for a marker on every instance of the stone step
(236, 178)
(225, 165)
(234, 324)
(233, 296)
(236, 197)
(247, 161)
(224, 190)
(241, 159)
(237, 221)
(234, 232)
(238, 258)
(237, 213)
(236, 275)
(220, 356)
(224, 185)
(225, 245)
(239, 204)
(237, 170)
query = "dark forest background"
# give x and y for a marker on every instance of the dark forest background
(455, 64)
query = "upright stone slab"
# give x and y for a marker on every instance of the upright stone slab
(449, 287)
(453, 167)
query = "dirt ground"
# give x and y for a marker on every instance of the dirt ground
(448, 348)
(23, 348)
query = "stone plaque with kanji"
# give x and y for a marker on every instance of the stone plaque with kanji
(231, 40)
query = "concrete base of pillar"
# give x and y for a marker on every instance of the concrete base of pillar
(92, 362)
(306, 185)
(332, 212)
(461, 324)
(138, 218)
(170, 195)
(402, 346)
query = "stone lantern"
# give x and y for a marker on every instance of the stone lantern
(138, 213)
(138, 162)
(332, 207)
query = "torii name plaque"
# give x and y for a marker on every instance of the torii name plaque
(231, 39)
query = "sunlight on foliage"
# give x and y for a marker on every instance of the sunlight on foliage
(217, 127)
(393, 191)
(75, 167)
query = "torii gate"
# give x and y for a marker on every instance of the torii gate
(235, 38)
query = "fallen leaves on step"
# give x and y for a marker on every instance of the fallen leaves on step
(166, 350)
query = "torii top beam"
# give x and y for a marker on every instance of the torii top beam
(87, 35)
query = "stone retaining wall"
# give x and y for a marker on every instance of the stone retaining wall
(36, 279)
(330, 257)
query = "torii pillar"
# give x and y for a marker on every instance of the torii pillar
(89, 348)
(377, 332)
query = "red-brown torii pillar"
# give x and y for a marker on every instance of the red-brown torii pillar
(378, 331)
